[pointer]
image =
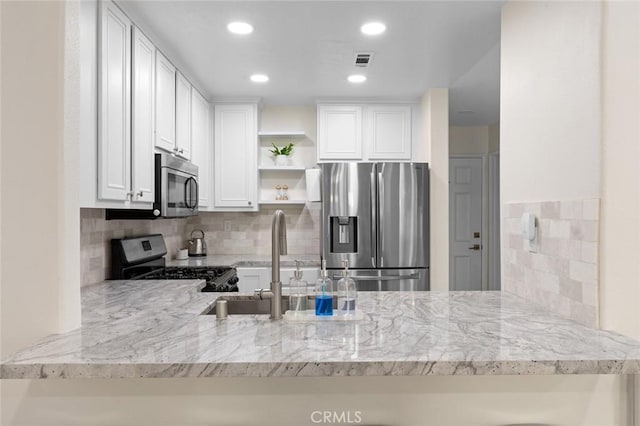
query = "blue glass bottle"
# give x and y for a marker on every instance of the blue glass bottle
(324, 293)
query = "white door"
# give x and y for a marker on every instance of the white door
(201, 145)
(388, 132)
(143, 104)
(339, 132)
(114, 114)
(465, 224)
(165, 103)
(236, 152)
(183, 116)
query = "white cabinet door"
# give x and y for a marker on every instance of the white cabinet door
(388, 132)
(201, 146)
(183, 116)
(114, 126)
(142, 116)
(339, 132)
(165, 103)
(250, 279)
(236, 164)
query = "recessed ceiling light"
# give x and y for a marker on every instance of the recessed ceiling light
(259, 78)
(357, 78)
(240, 28)
(373, 28)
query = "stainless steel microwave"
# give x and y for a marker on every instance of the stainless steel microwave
(176, 191)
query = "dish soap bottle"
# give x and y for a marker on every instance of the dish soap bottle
(324, 293)
(347, 293)
(298, 291)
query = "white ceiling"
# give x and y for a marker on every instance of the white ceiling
(307, 49)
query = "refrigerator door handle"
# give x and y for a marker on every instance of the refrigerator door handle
(380, 236)
(414, 276)
(374, 208)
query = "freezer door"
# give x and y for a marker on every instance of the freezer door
(403, 215)
(387, 279)
(348, 214)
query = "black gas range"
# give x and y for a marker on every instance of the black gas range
(143, 258)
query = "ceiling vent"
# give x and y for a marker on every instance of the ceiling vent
(363, 59)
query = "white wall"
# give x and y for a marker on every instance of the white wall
(494, 137)
(40, 222)
(620, 209)
(398, 401)
(468, 140)
(435, 138)
(550, 101)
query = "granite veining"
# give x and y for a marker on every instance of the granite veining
(155, 329)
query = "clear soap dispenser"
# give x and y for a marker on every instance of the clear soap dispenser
(347, 293)
(324, 293)
(298, 291)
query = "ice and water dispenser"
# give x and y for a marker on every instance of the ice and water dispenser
(344, 234)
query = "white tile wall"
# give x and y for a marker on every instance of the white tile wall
(563, 274)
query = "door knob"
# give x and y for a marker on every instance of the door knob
(475, 247)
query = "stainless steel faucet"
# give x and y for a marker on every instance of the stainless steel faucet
(278, 247)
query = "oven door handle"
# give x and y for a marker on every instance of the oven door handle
(413, 276)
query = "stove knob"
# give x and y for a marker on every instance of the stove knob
(156, 212)
(234, 280)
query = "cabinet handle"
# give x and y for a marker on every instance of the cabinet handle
(249, 202)
(175, 149)
(140, 194)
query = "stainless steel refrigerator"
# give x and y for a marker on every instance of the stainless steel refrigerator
(376, 216)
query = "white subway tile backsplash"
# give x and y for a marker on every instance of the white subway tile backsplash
(563, 274)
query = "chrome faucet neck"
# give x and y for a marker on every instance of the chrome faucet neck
(278, 247)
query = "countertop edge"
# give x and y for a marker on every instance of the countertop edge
(315, 369)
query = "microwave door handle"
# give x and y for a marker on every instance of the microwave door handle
(197, 191)
(187, 189)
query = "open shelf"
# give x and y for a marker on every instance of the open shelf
(283, 134)
(283, 168)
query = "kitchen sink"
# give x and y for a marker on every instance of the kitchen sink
(241, 305)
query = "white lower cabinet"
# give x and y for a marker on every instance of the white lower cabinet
(254, 278)
(236, 157)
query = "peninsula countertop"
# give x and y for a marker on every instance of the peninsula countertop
(155, 329)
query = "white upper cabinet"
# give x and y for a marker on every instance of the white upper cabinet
(388, 132)
(114, 93)
(364, 132)
(236, 157)
(142, 118)
(339, 132)
(183, 117)
(201, 145)
(165, 104)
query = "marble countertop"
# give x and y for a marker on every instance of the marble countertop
(155, 329)
(246, 261)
